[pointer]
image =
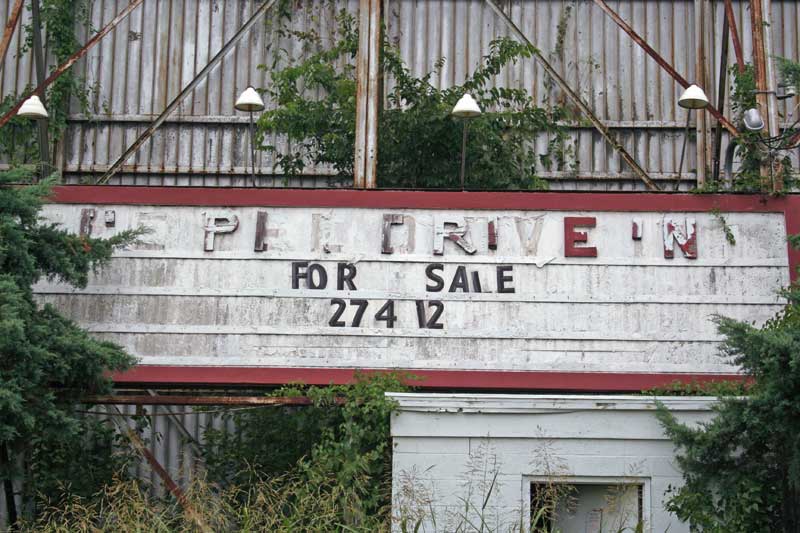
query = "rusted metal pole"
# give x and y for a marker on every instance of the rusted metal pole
(737, 44)
(169, 483)
(197, 400)
(72, 59)
(147, 133)
(773, 126)
(583, 106)
(193, 444)
(11, 25)
(760, 70)
(721, 87)
(662, 62)
(700, 70)
(38, 58)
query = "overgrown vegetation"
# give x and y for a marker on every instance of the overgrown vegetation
(60, 20)
(755, 149)
(47, 363)
(742, 469)
(341, 441)
(314, 101)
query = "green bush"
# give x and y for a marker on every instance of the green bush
(419, 142)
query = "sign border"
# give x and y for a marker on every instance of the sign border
(788, 205)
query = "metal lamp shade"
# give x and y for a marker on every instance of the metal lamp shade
(693, 98)
(466, 107)
(32, 108)
(753, 120)
(250, 101)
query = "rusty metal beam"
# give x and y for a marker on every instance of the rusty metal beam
(161, 472)
(197, 400)
(41, 69)
(773, 126)
(721, 87)
(11, 25)
(172, 417)
(584, 107)
(737, 44)
(662, 62)
(147, 133)
(72, 59)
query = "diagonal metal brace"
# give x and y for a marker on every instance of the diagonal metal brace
(146, 134)
(62, 68)
(575, 97)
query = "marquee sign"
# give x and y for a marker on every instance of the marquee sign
(601, 292)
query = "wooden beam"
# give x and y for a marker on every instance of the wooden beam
(367, 94)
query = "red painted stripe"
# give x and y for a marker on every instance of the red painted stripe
(556, 201)
(431, 379)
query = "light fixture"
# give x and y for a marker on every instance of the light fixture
(32, 108)
(753, 120)
(693, 98)
(467, 107)
(250, 102)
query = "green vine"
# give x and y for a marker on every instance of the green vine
(59, 19)
(729, 236)
(419, 142)
(753, 150)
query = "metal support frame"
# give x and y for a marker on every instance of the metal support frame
(737, 44)
(701, 78)
(773, 125)
(169, 483)
(575, 97)
(155, 399)
(367, 95)
(38, 58)
(721, 88)
(147, 133)
(72, 59)
(198, 453)
(11, 26)
(662, 62)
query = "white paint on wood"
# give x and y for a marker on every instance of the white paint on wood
(170, 300)
(448, 447)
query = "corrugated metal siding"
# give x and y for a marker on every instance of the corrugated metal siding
(169, 445)
(145, 62)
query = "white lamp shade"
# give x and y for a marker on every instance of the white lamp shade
(32, 108)
(693, 98)
(249, 100)
(466, 107)
(753, 120)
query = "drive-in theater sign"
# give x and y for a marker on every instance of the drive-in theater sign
(471, 290)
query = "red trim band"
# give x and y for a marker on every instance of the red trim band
(431, 379)
(555, 201)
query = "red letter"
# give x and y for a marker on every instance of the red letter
(571, 237)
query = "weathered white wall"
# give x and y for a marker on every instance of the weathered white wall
(629, 309)
(447, 449)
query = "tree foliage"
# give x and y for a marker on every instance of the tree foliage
(419, 142)
(47, 363)
(742, 469)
